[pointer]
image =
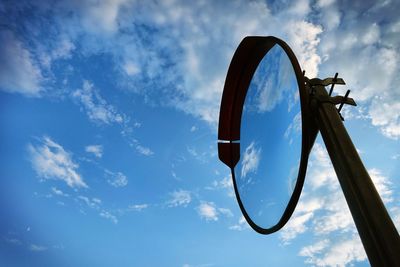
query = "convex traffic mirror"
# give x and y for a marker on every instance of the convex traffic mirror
(260, 131)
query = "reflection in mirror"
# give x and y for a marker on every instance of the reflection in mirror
(270, 143)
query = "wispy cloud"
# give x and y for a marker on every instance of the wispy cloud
(201, 156)
(37, 248)
(101, 112)
(251, 158)
(179, 198)
(116, 179)
(334, 253)
(109, 216)
(294, 128)
(153, 65)
(240, 225)
(323, 212)
(61, 48)
(96, 150)
(138, 207)
(13, 240)
(372, 46)
(93, 203)
(179, 59)
(226, 212)
(58, 192)
(296, 226)
(225, 183)
(133, 142)
(144, 150)
(19, 72)
(208, 211)
(51, 161)
(97, 109)
(131, 68)
(383, 185)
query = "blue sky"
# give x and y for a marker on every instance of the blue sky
(108, 135)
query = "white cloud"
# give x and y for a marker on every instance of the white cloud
(202, 154)
(303, 38)
(116, 179)
(101, 17)
(179, 198)
(100, 112)
(97, 109)
(382, 185)
(96, 150)
(295, 226)
(93, 203)
(310, 251)
(58, 192)
(387, 117)
(185, 32)
(138, 207)
(395, 156)
(251, 159)
(13, 241)
(299, 8)
(144, 150)
(37, 248)
(64, 49)
(131, 68)
(395, 213)
(241, 225)
(109, 216)
(225, 183)
(133, 142)
(371, 35)
(337, 216)
(225, 211)
(51, 161)
(294, 128)
(372, 47)
(323, 212)
(325, 3)
(96, 200)
(321, 172)
(208, 211)
(60, 47)
(18, 71)
(178, 57)
(328, 253)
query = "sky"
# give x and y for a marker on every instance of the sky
(109, 112)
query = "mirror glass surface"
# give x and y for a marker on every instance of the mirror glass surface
(270, 140)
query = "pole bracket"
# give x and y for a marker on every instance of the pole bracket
(316, 84)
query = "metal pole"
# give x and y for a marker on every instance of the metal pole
(378, 234)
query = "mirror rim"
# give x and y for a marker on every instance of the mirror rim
(244, 63)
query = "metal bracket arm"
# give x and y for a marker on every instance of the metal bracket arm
(336, 100)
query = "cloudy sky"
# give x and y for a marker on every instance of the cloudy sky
(108, 113)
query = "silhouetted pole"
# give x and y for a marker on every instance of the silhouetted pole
(378, 234)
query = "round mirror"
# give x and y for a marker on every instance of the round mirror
(265, 130)
(270, 140)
